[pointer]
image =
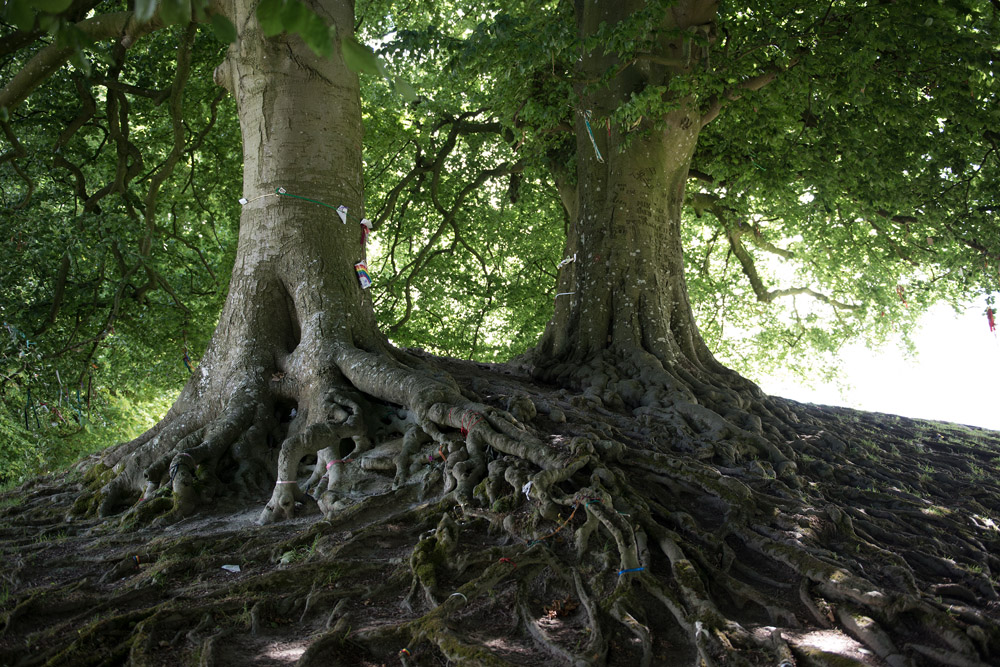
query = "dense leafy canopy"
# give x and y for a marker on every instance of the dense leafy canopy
(870, 157)
(118, 224)
(847, 180)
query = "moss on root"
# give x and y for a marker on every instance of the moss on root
(94, 479)
(716, 543)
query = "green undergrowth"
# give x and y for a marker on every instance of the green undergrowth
(39, 439)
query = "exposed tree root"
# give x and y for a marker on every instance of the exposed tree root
(584, 532)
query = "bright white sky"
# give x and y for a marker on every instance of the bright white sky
(954, 378)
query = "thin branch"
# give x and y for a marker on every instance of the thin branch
(17, 151)
(659, 60)
(761, 243)
(47, 61)
(899, 219)
(158, 96)
(765, 296)
(89, 108)
(422, 168)
(908, 220)
(58, 292)
(176, 107)
(27, 179)
(701, 176)
(793, 291)
(896, 248)
(705, 202)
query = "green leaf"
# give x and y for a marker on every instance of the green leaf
(51, 6)
(144, 10)
(405, 90)
(19, 13)
(4, 114)
(360, 58)
(80, 61)
(68, 35)
(317, 37)
(224, 29)
(295, 17)
(269, 16)
(198, 8)
(48, 23)
(175, 11)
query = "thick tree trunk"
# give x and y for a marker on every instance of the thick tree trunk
(297, 335)
(626, 288)
(625, 296)
(297, 365)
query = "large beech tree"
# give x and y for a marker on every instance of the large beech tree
(650, 506)
(297, 340)
(787, 234)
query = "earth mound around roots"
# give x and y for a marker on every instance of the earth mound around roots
(630, 539)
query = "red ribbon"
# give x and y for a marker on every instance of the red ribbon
(900, 292)
(466, 422)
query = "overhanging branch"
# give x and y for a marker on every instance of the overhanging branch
(763, 294)
(434, 168)
(702, 202)
(51, 58)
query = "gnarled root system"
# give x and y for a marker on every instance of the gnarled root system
(577, 532)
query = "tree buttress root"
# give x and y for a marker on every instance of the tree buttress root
(587, 533)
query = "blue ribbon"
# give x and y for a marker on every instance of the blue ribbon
(586, 120)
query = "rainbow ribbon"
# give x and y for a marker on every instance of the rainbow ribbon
(363, 277)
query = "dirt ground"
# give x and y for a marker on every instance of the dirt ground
(903, 504)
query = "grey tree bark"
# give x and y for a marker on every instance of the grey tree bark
(297, 336)
(623, 326)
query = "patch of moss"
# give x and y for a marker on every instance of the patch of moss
(87, 504)
(97, 476)
(147, 511)
(687, 576)
(463, 654)
(427, 556)
(99, 642)
(504, 505)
